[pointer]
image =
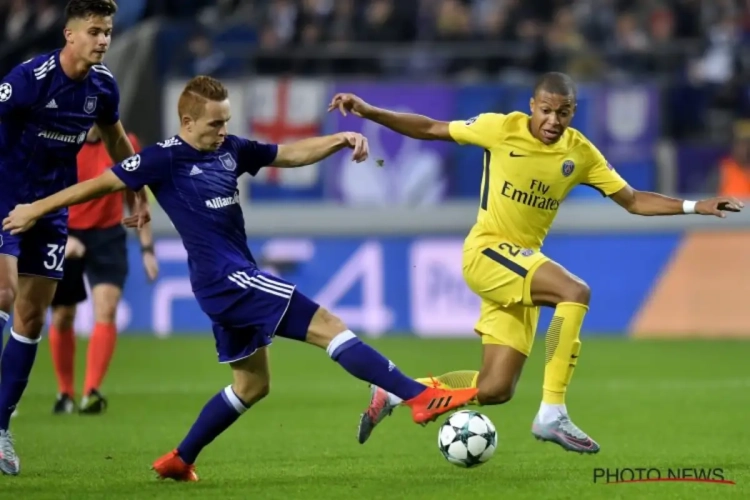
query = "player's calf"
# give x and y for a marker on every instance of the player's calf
(362, 361)
(8, 289)
(250, 385)
(501, 369)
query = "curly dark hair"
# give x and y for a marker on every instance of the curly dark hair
(83, 9)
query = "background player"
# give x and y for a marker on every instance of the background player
(530, 165)
(194, 177)
(47, 105)
(97, 247)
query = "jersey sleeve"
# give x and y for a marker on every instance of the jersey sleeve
(110, 111)
(17, 91)
(485, 130)
(252, 156)
(146, 168)
(600, 174)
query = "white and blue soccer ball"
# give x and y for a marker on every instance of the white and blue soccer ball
(467, 439)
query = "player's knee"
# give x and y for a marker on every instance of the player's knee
(251, 393)
(106, 315)
(63, 318)
(577, 291)
(7, 297)
(494, 392)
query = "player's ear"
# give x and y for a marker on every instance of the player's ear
(531, 104)
(68, 34)
(185, 120)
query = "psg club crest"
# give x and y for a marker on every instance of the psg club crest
(568, 167)
(228, 162)
(90, 105)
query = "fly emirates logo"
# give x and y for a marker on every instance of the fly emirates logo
(222, 202)
(535, 196)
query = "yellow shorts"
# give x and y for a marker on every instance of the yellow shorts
(501, 275)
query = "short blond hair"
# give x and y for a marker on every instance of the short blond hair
(197, 92)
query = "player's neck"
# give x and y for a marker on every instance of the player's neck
(74, 68)
(187, 140)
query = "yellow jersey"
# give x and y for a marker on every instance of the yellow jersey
(525, 180)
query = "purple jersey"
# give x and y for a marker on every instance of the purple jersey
(44, 119)
(198, 191)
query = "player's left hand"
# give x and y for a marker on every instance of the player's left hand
(358, 143)
(21, 219)
(150, 265)
(719, 206)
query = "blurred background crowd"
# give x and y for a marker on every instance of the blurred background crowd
(696, 51)
(700, 39)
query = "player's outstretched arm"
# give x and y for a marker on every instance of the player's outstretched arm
(408, 124)
(309, 151)
(23, 217)
(650, 204)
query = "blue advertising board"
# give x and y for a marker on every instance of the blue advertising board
(397, 285)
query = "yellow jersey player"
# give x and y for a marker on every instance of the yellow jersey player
(531, 162)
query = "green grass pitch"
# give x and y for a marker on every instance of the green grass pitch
(649, 404)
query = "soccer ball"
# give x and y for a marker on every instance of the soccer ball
(467, 439)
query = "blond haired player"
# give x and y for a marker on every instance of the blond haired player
(530, 165)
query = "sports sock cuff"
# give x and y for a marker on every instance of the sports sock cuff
(24, 340)
(4, 316)
(234, 400)
(341, 343)
(573, 304)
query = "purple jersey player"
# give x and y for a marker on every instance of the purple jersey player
(47, 105)
(194, 177)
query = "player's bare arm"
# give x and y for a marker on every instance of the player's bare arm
(650, 204)
(23, 217)
(408, 124)
(145, 235)
(309, 151)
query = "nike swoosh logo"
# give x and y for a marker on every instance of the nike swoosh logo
(515, 155)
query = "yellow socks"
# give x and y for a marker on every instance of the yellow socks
(562, 349)
(461, 379)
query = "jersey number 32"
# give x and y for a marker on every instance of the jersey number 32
(55, 257)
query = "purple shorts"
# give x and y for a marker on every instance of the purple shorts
(251, 309)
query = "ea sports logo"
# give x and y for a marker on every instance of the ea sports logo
(131, 164)
(6, 90)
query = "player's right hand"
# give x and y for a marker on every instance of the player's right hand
(21, 219)
(349, 103)
(358, 143)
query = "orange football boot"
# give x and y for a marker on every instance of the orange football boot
(434, 401)
(171, 466)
